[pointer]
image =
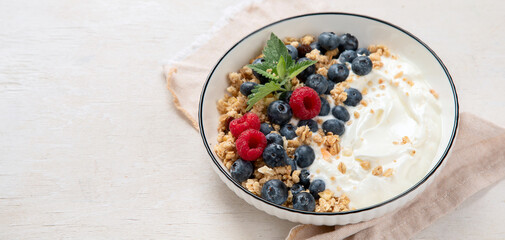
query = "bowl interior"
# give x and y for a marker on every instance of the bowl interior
(367, 30)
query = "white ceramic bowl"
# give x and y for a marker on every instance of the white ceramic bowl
(369, 31)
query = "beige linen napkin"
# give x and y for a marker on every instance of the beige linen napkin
(477, 161)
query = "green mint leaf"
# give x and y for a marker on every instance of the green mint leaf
(275, 49)
(261, 91)
(298, 68)
(262, 68)
(281, 68)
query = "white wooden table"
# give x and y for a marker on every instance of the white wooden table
(92, 148)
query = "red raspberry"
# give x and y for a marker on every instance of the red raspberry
(248, 121)
(305, 103)
(250, 144)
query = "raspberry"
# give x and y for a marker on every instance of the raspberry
(248, 121)
(250, 144)
(305, 103)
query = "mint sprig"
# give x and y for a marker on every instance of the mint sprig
(278, 67)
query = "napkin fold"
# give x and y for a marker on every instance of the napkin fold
(477, 160)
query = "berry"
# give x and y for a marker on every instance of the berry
(247, 87)
(241, 170)
(260, 77)
(316, 45)
(317, 82)
(291, 163)
(292, 51)
(331, 85)
(334, 126)
(348, 42)
(266, 128)
(285, 96)
(341, 113)
(361, 65)
(274, 155)
(297, 188)
(248, 121)
(305, 178)
(275, 191)
(274, 138)
(316, 187)
(307, 72)
(305, 103)
(328, 40)
(303, 49)
(304, 156)
(304, 201)
(363, 51)
(250, 144)
(347, 56)
(279, 112)
(353, 97)
(310, 123)
(288, 131)
(338, 72)
(325, 107)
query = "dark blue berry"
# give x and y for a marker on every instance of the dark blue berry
(316, 187)
(292, 52)
(285, 96)
(362, 65)
(310, 123)
(328, 40)
(325, 107)
(288, 131)
(247, 87)
(241, 170)
(353, 97)
(260, 77)
(317, 82)
(279, 112)
(304, 201)
(307, 72)
(304, 156)
(266, 128)
(274, 155)
(341, 113)
(334, 126)
(274, 138)
(275, 191)
(316, 45)
(331, 85)
(338, 73)
(363, 51)
(297, 188)
(348, 42)
(291, 163)
(347, 56)
(305, 178)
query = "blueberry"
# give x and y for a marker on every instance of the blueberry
(288, 131)
(353, 97)
(347, 56)
(328, 40)
(307, 72)
(325, 107)
(341, 113)
(260, 77)
(274, 138)
(316, 187)
(348, 42)
(363, 51)
(334, 126)
(331, 85)
(310, 123)
(292, 51)
(274, 155)
(297, 188)
(338, 73)
(247, 87)
(266, 128)
(316, 45)
(317, 82)
(304, 156)
(305, 178)
(304, 201)
(275, 191)
(291, 163)
(279, 112)
(241, 170)
(285, 96)
(361, 65)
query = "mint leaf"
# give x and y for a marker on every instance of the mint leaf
(261, 91)
(275, 49)
(281, 68)
(262, 68)
(298, 68)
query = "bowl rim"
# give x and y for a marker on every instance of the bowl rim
(371, 207)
